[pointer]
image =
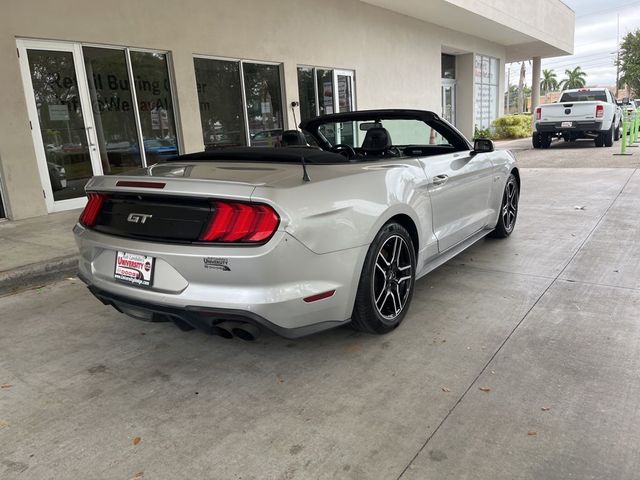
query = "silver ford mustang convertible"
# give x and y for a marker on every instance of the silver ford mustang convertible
(332, 227)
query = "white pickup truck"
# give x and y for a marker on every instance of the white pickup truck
(581, 113)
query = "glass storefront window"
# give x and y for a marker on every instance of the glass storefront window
(448, 66)
(113, 109)
(155, 105)
(486, 90)
(264, 103)
(306, 92)
(220, 98)
(325, 91)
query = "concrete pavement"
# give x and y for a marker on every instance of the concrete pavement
(518, 360)
(37, 250)
(579, 154)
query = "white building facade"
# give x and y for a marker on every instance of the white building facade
(91, 88)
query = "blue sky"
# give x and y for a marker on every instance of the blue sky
(595, 40)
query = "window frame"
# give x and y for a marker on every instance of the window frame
(335, 71)
(243, 94)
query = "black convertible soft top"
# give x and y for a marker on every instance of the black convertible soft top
(263, 154)
(361, 115)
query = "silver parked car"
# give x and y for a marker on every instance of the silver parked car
(296, 239)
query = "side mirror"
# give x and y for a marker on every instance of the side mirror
(482, 145)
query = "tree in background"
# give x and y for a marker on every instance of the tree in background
(576, 78)
(549, 82)
(630, 61)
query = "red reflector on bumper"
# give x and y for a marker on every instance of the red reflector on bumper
(320, 296)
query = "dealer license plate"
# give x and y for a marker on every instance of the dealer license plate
(134, 268)
(567, 124)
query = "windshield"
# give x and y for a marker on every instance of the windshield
(402, 132)
(586, 96)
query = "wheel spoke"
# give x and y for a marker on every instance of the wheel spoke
(384, 300)
(404, 279)
(387, 263)
(402, 269)
(395, 249)
(381, 269)
(395, 305)
(384, 289)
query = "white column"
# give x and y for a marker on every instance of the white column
(535, 83)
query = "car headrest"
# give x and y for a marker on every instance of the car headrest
(376, 140)
(292, 138)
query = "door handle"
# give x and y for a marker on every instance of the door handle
(440, 179)
(92, 142)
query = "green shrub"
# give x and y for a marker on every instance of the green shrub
(479, 132)
(513, 126)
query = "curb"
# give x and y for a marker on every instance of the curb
(37, 274)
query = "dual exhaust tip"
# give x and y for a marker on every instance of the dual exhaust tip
(242, 330)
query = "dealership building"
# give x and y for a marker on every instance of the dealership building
(92, 88)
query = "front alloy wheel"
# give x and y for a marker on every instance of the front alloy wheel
(392, 278)
(386, 283)
(508, 209)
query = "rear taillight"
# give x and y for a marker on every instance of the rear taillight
(91, 211)
(599, 111)
(240, 222)
(538, 113)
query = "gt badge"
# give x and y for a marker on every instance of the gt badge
(216, 263)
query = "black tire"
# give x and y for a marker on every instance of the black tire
(508, 209)
(599, 140)
(535, 140)
(386, 285)
(608, 137)
(616, 134)
(545, 140)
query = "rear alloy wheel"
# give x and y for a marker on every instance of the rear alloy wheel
(508, 209)
(387, 280)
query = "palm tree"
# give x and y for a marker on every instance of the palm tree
(549, 81)
(576, 78)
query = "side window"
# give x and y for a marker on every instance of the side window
(443, 135)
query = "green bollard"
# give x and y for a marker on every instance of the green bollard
(625, 132)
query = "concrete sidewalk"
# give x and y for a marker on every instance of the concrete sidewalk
(37, 250)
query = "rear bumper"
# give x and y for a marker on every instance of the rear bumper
(578, 127)
(204, 318)
(263, 285)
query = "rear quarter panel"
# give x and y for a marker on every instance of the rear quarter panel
(347, 211)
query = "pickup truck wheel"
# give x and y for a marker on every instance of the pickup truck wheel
(599, 140)
(608, 137)
(616, 134)
(535, 140)
(545, 140)
(387, 281)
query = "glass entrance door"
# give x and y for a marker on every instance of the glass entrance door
(61, 121)
(94, 111)
(449, 101)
